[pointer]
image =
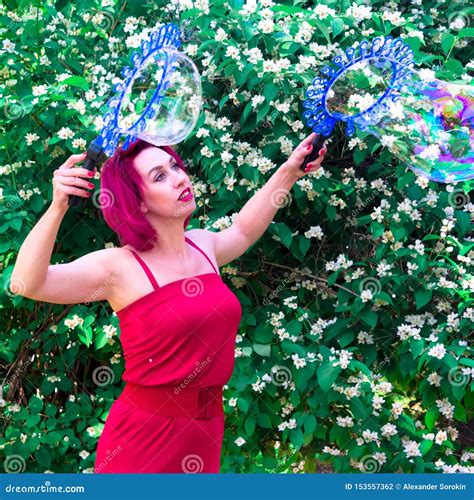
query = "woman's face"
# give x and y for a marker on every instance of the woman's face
(164, 181)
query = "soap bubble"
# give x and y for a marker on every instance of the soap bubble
(429, 126)
(163, 102)
(425, 122)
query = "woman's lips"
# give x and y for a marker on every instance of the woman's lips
(187, 197)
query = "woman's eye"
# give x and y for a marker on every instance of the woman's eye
(157, 178)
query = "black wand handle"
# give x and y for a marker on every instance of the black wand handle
(95, 154)
(318, 143)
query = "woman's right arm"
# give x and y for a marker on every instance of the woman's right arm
(87, 279)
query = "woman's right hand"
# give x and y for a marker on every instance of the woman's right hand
(71, 180)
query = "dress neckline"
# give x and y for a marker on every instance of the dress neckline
(158, 290)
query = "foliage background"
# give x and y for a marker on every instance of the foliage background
(364, 271)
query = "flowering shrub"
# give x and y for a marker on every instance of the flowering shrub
(352, 353)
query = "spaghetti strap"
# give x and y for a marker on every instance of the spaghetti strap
(197, 248)
(147, 270)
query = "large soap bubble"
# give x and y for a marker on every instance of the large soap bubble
(163, 103)
(429, 126)
(159, 99)
(426, 122)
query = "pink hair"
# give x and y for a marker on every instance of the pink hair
(121, 193)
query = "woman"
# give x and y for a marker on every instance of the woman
(178, 319)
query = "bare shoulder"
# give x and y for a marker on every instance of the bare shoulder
(204, 238)
(201, 235)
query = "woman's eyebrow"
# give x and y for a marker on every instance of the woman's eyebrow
(159, 167)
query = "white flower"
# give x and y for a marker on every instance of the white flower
(380, 457)
(79, 143)
(445, 407)
(396, 110)
(388, 140)
(323, 11)
(232, 52)
(360, 12)
(65, 133)
(314, 232)
(434, 379)
(205, 151)
(441, 436)
(437, 351)
(221, 35)
(345, 421)
(256, 100)
(431, 152)
(30, 138)
(232, 401)
(365, 338)
(239, 441)
(84, 454)
(344, 359)
(411, 448)
(426, 75)
(226, 156)
(266, 25)
(388, 430)
(366, 295)
(40, 90)
(458, 24)
(8, 45)
(298, 362)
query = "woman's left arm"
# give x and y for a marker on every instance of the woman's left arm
(255, 216)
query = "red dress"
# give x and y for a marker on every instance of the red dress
(178, 343)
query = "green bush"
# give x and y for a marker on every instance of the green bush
(352, 351)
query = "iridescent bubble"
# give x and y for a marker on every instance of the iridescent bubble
(163, 102)
(425, 122)
(429, 126)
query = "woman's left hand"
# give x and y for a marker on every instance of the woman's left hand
(296, 159)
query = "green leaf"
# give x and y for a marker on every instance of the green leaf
(262, 349)
(270, 91)
(242, 404)
(425, 446)
(447, 42)
(337, 26)
(85, 336)
(249, 424)
(36, 404)
(422, 297)
(43, 457)
(327, 375)
(76, 81)
(405, 422)
(466, 33)
(263, 420)
(323, 29)
(460, 414)
(369, 317)
(282, 231)
(296, 438)
(416, 347)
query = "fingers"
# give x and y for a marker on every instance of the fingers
(74, 172)
(72, 181)
(316, 163)
(306, 142)
(73, 159)
(76, 191)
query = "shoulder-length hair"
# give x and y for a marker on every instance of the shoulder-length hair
(121, 194)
